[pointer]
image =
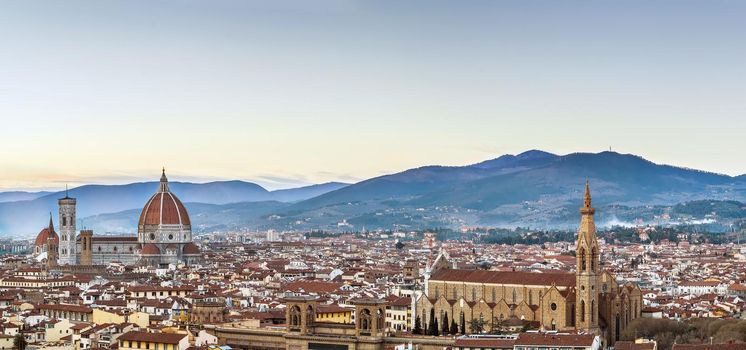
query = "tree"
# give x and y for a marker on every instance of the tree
(463, 324)
(454, 327)
(399, 245)
(19, 342)
(417, 325)
(433, 325)
(477, 325)
(445, 323)
(497, 324)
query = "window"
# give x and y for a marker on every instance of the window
(594, 253)
(593, 310)
(553, 306)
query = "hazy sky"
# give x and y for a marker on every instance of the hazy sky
(288, 92)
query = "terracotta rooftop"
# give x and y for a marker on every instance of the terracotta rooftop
(506, 277)
(164, 338)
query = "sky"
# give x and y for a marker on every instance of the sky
(286, 93)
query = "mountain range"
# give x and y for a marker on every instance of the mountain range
(21, 217)
(534, 188)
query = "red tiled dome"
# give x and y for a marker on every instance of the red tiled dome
(45, 234)
(164, 208)
(150, 249)
(191, 248)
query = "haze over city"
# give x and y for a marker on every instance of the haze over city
(285, 93)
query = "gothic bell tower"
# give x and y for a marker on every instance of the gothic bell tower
(68, 251)
(587, 270)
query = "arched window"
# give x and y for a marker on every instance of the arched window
(581, 253)
(454, 292)
(594, 255)
(582, 311)
(295, 316)
(380, 318)
(593, 311)
(515, 296)
(437, 292)
(365, 320)
(494, 295)
(473, 294)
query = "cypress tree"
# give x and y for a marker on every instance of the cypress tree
(445, 323)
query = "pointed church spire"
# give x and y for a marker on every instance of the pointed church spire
(164, 181)
(587, 269)
(587, 209)
(51, 226)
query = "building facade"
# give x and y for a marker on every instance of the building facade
(588, 301)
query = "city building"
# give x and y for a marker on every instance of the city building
(164, 236)
(588, 301)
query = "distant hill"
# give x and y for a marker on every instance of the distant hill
(13, 196)
(525, 160)
(28, 216)
(529, 176)
(532, 189)
(204, 217)
(306, 192)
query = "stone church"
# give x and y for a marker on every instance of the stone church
(587, 301)
(164, 236)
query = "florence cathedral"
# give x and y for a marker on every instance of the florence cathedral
(164, 236)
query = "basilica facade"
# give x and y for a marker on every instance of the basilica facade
(164, 236)
(587, 301)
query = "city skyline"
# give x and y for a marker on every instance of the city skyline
(292, 93)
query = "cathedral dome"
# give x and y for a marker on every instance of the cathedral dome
(45, 234)
(163, 208)
(150, 249)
